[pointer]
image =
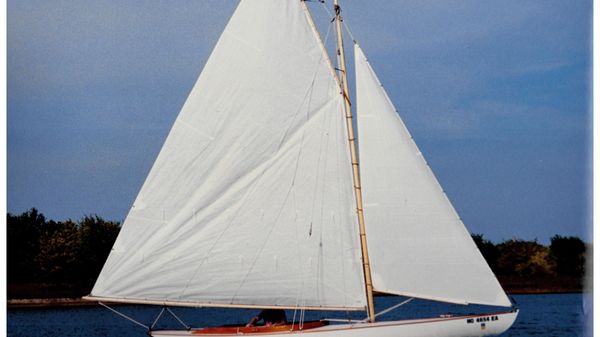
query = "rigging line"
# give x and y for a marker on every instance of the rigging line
(299, 290)
(330, 122)
(391, 308)
(187, 327)
(310, 96)
(319, 159)
(294, 316)
(157, 318)
(323, 47)
(124, 316)
(301, 323)
(301, 294)
(301, 309)
(343, 22)
(307, 94)
(316, 185)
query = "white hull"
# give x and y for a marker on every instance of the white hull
(458, 326)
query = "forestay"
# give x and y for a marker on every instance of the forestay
(418, 245)
(250, 200)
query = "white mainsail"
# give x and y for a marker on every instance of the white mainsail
(418, 245)
(250, 201)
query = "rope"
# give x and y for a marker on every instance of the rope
(157, 317)
(338, 11)
(367, 319)
(391, 308)
(294, 316)
(124, 316)
(179, 319)
(301, 323)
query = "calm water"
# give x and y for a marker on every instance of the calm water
(541, 315)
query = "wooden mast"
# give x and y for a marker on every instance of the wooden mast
(351, 139)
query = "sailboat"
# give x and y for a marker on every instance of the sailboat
(261, 197)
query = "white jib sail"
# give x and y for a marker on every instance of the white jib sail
(250, 201)
(418, 245)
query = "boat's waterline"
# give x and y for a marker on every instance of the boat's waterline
(455, 326)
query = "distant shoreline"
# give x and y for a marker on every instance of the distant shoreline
(51, 303)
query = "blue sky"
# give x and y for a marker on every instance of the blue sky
(496, 94)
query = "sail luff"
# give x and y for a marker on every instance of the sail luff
(315, 30)
(355, 165)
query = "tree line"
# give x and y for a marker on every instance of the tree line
(47, 258)
(565, 256)
(524, 266)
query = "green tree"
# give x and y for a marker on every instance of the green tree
(524, 258)
(97, 237)
(568, 253)
(58, 256)
(23, 243)
(57, 253)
